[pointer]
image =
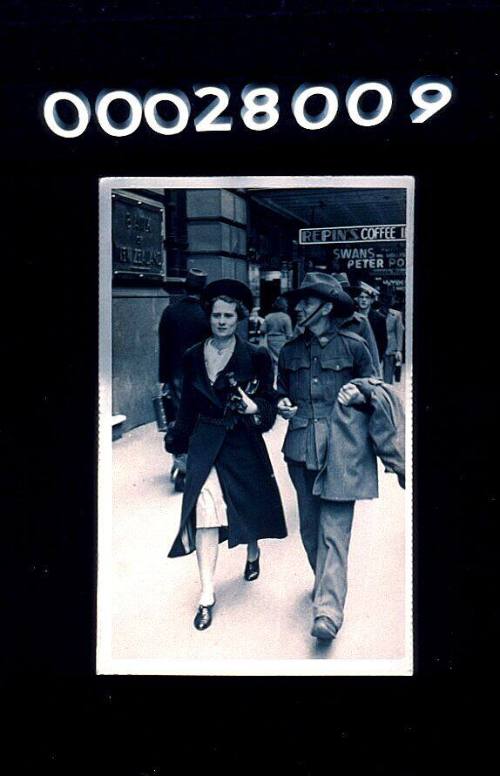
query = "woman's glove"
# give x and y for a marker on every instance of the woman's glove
(174, 443)
(246, 405)
(168, 439)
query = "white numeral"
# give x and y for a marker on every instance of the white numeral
(324, 117)
(429, 95)
(260, 107)
(380, 113)
(55, 122)
(109, 125)
(210, 119)
(164, 126)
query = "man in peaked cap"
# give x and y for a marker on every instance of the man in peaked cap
(361, 324)
(365, 295)
(314, 372)
(182, 324)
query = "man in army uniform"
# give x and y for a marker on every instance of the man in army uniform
(314, 371)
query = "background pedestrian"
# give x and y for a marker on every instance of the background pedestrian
(277, 328)
(183, 324)
(365, 297)
(255, 326)
(359, 324)
(393, 355)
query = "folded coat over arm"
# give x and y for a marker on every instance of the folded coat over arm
(356, 437)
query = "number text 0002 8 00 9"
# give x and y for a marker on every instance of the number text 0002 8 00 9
(260, 108)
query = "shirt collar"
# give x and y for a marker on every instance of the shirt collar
(356, 316)
(327, 335)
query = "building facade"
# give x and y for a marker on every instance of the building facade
(255, 236)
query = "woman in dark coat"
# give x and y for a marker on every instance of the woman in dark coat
(227, 403)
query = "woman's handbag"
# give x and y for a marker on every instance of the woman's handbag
(234, 401)
(164, 409)
(160, 416)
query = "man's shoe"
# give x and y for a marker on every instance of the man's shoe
(323, 628)
(203, 618)
(252, 569)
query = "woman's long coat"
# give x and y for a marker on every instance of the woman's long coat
(232, 443)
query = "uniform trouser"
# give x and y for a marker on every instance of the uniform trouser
(325, 529)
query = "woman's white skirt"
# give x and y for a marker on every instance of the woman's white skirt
(211, 507)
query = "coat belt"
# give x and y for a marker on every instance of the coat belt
(227, 422)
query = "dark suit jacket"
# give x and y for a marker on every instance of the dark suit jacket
(379, 326)
(182, 325)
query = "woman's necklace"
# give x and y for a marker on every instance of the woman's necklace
(216, 357)
(219, 347)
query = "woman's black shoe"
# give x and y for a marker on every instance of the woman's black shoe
(252, 569)
(203, 619)
(179, 481)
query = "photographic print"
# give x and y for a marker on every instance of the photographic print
(246, 468)
(255, 455)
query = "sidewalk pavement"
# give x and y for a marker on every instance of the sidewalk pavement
(154, 598)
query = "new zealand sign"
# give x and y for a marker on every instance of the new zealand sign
(137, 238)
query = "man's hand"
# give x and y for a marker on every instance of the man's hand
(398, 358)
(349, 395)
(286, 409)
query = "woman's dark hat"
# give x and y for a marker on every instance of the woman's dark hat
(229, 287)
(326, 288)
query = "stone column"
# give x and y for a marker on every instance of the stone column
(217, 233)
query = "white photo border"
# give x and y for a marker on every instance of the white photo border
(105, 664)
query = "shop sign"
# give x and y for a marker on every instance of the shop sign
(137, 238)
(324, 235)
(388, 258)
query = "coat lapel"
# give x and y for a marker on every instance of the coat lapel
(200, 378)
(240, 364)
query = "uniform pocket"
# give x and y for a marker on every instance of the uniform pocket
(337, 363)
(298, 377)
(294, 446)
(298, 362)
(296, 423)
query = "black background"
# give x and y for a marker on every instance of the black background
(63, 719)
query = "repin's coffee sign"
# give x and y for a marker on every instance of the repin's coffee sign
(330, 235)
